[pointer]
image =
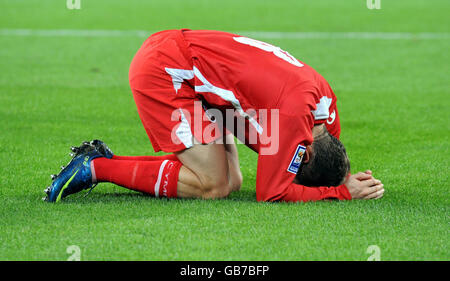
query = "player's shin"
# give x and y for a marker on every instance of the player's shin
(158, 178)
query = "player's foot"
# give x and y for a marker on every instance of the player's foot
(77, 175)
(98, 145)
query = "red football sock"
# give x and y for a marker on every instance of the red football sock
(171, 157)
(158, 178)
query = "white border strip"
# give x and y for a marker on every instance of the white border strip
(258, 34)
(158, 182)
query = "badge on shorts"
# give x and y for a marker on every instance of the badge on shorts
(297, 159)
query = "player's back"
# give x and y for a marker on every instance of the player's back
(259, 75)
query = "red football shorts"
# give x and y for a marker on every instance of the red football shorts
(162, 81)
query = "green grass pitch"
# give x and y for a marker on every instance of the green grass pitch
(58, 90)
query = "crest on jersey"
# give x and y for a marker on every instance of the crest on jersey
(296, 159)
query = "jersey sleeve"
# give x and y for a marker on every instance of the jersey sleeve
(326, 109)
(296, 192)
(276, 171)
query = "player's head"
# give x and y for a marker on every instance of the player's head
(327, 163)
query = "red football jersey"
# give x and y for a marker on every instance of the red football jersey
(232, 71)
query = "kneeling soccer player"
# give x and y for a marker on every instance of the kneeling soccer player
(183, 83)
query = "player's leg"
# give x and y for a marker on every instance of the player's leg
(201, 172)
(234, 172)
(205, 175)
(157, 178)
(157, 99)
(235, 175)
(205, 172)
(194, 179)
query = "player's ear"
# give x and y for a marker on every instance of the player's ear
(308, 154)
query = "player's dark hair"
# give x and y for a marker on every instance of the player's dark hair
(328, 165)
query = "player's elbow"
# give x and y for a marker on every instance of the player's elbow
(269, 197)
(280, 194)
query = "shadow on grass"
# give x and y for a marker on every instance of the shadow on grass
(120, 197)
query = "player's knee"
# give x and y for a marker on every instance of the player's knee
(237, 182)
(215, 188)
(219, 193)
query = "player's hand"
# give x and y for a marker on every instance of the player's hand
(364, 186)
